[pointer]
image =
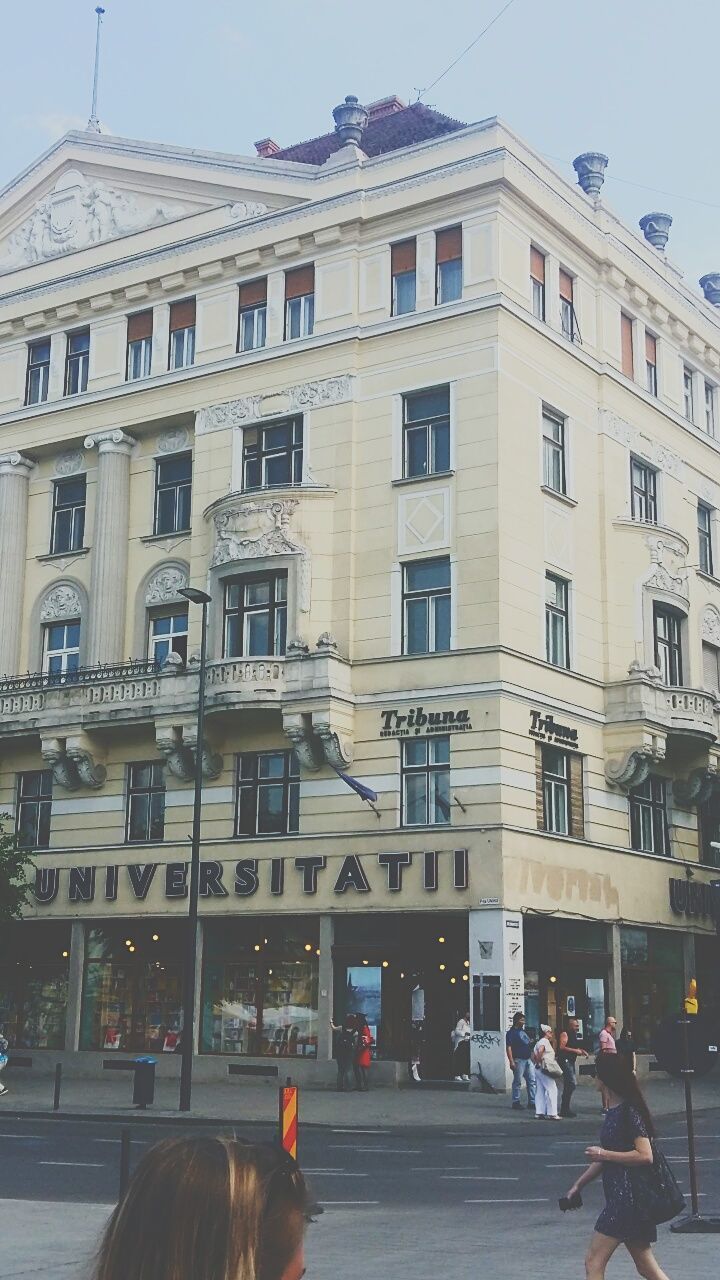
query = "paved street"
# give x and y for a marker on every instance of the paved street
(398, 1202)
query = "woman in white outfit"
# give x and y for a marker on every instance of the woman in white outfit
(548, 1072)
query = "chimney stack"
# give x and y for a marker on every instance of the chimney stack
(590, 169)
(710, 285)
(656, 229)
(350, 120)
(267, 147)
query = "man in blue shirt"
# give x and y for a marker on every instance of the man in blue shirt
(518, 1049)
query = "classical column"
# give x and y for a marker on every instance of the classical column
(75, 985)
(615, 984)
(108, 579)
(14, 475)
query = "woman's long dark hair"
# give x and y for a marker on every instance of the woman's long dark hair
(616, 1074)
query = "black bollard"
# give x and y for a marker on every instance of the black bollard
(124, 1162)
(58, 1082)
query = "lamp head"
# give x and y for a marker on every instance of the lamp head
(195, 596)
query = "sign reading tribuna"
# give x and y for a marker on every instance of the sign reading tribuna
(84, 884)
(397, 724)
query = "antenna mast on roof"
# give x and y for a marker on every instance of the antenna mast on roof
(93, 124)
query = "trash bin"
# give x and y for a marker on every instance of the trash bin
(144, 1083)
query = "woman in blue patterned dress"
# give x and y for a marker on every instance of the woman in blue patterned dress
(624, 1144)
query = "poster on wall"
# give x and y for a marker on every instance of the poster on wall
(111, 1039)
(363, 994)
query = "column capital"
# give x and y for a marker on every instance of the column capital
(15, 464)
(115, 441)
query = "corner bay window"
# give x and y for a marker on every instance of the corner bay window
(448, 260)
(38, 372)
(68, 516)
(182, 334)
(643, 492)
(299, 302)
(168, 634)
(425, 767)
(139, 345)
(402, 268)
(173, 492)
(260, 989)
(553, 451)
(252, 326)
(145, 801)
(537, 282)
(426, 432)
(557, 630)
(273, 455)
(61, 656)
(256, 616)
(667, 624)
(560, 806)
(33, 809)
(648, 817)
(77, 362)
(426, 606)
(704, 523)
(268, 793)
(132, 993)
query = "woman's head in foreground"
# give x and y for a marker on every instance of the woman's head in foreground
(614, 1071)
(209, 1209)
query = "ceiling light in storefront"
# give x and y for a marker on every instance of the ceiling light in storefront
(131, 948)
(553, 978)
(385, 964)
(402, 975)
(317, 951)
(465, 977)
(466, 963)
(156, 937)
(65, 955)
(308, 946)
(270, 972)
(257, 946)
(441, 939)
(128, 942)
(453, 979)
(442, 966)
(366, 961)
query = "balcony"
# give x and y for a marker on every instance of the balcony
(644, 719)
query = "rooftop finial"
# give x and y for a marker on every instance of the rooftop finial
(93, 124)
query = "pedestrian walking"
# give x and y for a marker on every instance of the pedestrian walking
(626, 1047)
(570, 1048)
(461, 1048)
(636, 1199)
(547, 1074)
(362, 1053)
(518, 1049)
(202, 1208)
(3, 1061)
(345, 1041)
(607, 1045)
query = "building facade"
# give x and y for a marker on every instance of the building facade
(439, 436)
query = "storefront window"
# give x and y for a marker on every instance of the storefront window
(260, 988)
(132, 994)
(34, 964)
(652, 975)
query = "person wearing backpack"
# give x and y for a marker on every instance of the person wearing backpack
(3, 1061)
(640, 1188)
(346, 1037)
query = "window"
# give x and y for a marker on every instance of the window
(182, 334)
(268, 794)
(173, 491)
(554, 451)
(68, 515)
(537, 282)
(704, 519)
(627, 362)
(299, 302)
(256, 616)
(651, 381)
(425, 765)
(426, 432)
(567, 306)
(77, 362)
(710, 408)
(402, 267)
(139, 345)
(426, 606)
(34, 805)
(711, 668)
(688, 394)
(648, 817)
(38, 372)
(557, 633)
(62, 649)
(448, 265)
(643, 492)
(132, 1000)
(252, 326)
(168, 634)
(273, 455)
(145, 802)
(667, 625)
(560, 791)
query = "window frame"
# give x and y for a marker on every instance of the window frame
(137, 792)
(43, 366)
(79, 360)
(554, 785)
(710, 407)
(253, 784)
(431, 425)
(77, 518)
(306, 316)
(145, 349)
(554, 448)
(705, 538)
(180, 486)
(688, 393)
(153, 641)
(42, 800)
(66, 651)
(452, 262)
(627, 348)
(652, 808)
(668, 649)
(261, 455)
(645, 496)
(429, 769)
(276, 607)
(432, 595)
(561, 613)
(258, 311)
(568, 319)
(538, 292)
(651, 366)
(404, 275)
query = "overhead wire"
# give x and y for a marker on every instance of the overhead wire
(467, 49)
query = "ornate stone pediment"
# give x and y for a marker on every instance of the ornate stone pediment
(257, 528)
(80, 212)
(663, 577)
(60, 603)
(164, 585)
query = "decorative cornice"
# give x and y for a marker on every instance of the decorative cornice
(304, 396)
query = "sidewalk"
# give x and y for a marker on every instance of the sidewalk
(250, 1101)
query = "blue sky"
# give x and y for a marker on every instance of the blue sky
(636, 80)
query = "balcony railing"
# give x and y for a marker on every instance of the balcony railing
(82, 675)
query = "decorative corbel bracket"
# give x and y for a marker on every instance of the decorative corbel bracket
(299, 729)
(178, 745)
(63, 770)
(73, 763)
(338, 750)
(633, 768)
(211, 762)
(697, 788)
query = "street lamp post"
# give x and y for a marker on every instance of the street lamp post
(188, 1027)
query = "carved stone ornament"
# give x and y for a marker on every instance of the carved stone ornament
(164, 585)
(298, 728)
(660, 576)
(697, 789)
(254, 529)
(337, 750)
(60, 603)
(327, 643)
(633, 768)
(710, 625)
(177, 744)
(71, 764)
(243, 209)
(307, 395)
(80, 212)
(625, 433)
(173, 441)
(68, 464)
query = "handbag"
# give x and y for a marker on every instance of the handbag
(655, 1192)
(551, 1068)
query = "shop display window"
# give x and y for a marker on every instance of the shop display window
(260, 988)
(34, 965)
(653, 979)
(132, 993)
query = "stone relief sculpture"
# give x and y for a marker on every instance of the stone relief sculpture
(254, 529)
(62, 602)
(243, 209)
(78, 213)
(710, 625)
(307, 395)
(68, 464)
(164, 585)
(173, 440)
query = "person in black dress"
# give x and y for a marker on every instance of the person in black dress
(624, 1143)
